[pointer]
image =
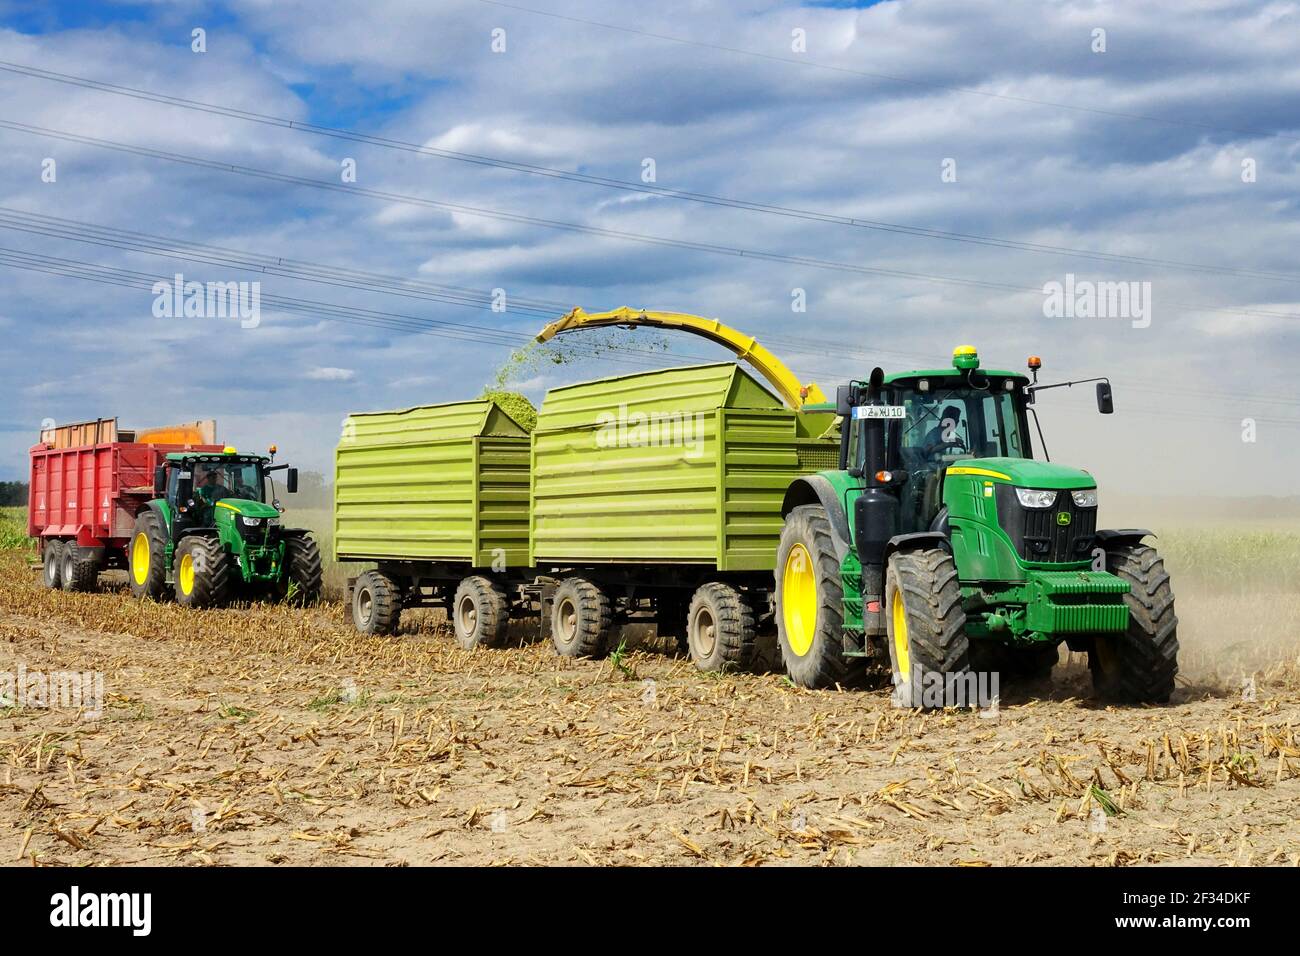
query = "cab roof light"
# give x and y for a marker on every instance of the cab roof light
(1035, 362)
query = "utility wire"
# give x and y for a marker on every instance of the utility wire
(145, 243)
(661, 241)
(645, 188)
(71, 268)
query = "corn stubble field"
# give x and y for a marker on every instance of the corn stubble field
(269, 735)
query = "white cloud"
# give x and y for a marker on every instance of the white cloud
(331, 374)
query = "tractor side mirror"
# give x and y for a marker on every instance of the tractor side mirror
(844, 400)
(291, 481)
(1105, 402)
(160, 481)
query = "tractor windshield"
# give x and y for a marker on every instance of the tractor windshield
(218, 478)
(946, 422)
(943, 424)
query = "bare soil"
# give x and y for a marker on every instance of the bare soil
(267, 735)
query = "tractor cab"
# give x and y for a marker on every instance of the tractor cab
(910, 432)
(207, 490)
(940, 419)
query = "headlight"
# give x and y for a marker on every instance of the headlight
(1030, 498)
(273, 522)
(1086, 498)
(250, 522)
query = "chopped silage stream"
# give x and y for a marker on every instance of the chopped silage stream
(268, 735)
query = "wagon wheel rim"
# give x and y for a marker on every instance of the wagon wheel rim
(568, 621)
(705, 633)
(365, 604)
(467, 615)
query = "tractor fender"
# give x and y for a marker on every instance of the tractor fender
(1122, 536)
(814, 490)
(916, 541)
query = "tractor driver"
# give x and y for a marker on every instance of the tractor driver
(208, 486)
(944, 436)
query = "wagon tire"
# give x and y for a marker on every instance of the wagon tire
(376, 604)
(580, 619)
(80, 568)
(720, 628)
(480, 612)
(52, 564)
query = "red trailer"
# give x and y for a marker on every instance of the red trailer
(84, 497)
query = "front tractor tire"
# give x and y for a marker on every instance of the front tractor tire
(303, 573)
(928, 648)
(1139, 665)
(202, 573)
(52, 564)
(720, 633)
(480, 613)
(809, 599)
(580, 619)
(147, 557)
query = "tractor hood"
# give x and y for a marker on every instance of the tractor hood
(250, 509)
(1025, 473)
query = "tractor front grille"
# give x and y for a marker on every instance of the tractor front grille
(1039, 534)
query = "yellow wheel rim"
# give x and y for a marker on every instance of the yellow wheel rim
(902, 653)
(799, 600)
(140, 558)
(185, 573)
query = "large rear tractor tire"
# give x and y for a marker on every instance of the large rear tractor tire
(580, 618)
(376, 604)
(1139, 665)
(928, 648)
(80, 567)
(147, 557)
(480, 613)
(52, 564)
(809, 598)
(303, 574)
(720, 632)
(202, 573)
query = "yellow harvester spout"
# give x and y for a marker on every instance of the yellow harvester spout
(792, 391)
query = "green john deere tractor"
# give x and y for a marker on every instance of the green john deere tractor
(215, 532)
(942, 547)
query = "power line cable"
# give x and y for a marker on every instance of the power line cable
(646, 188)
(714, 248)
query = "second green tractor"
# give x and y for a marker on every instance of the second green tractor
(214, 532)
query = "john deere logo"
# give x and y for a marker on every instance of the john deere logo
(1063, 517)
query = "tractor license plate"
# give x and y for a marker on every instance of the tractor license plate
(880, 411)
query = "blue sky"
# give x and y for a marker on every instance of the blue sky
(1136, 151)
